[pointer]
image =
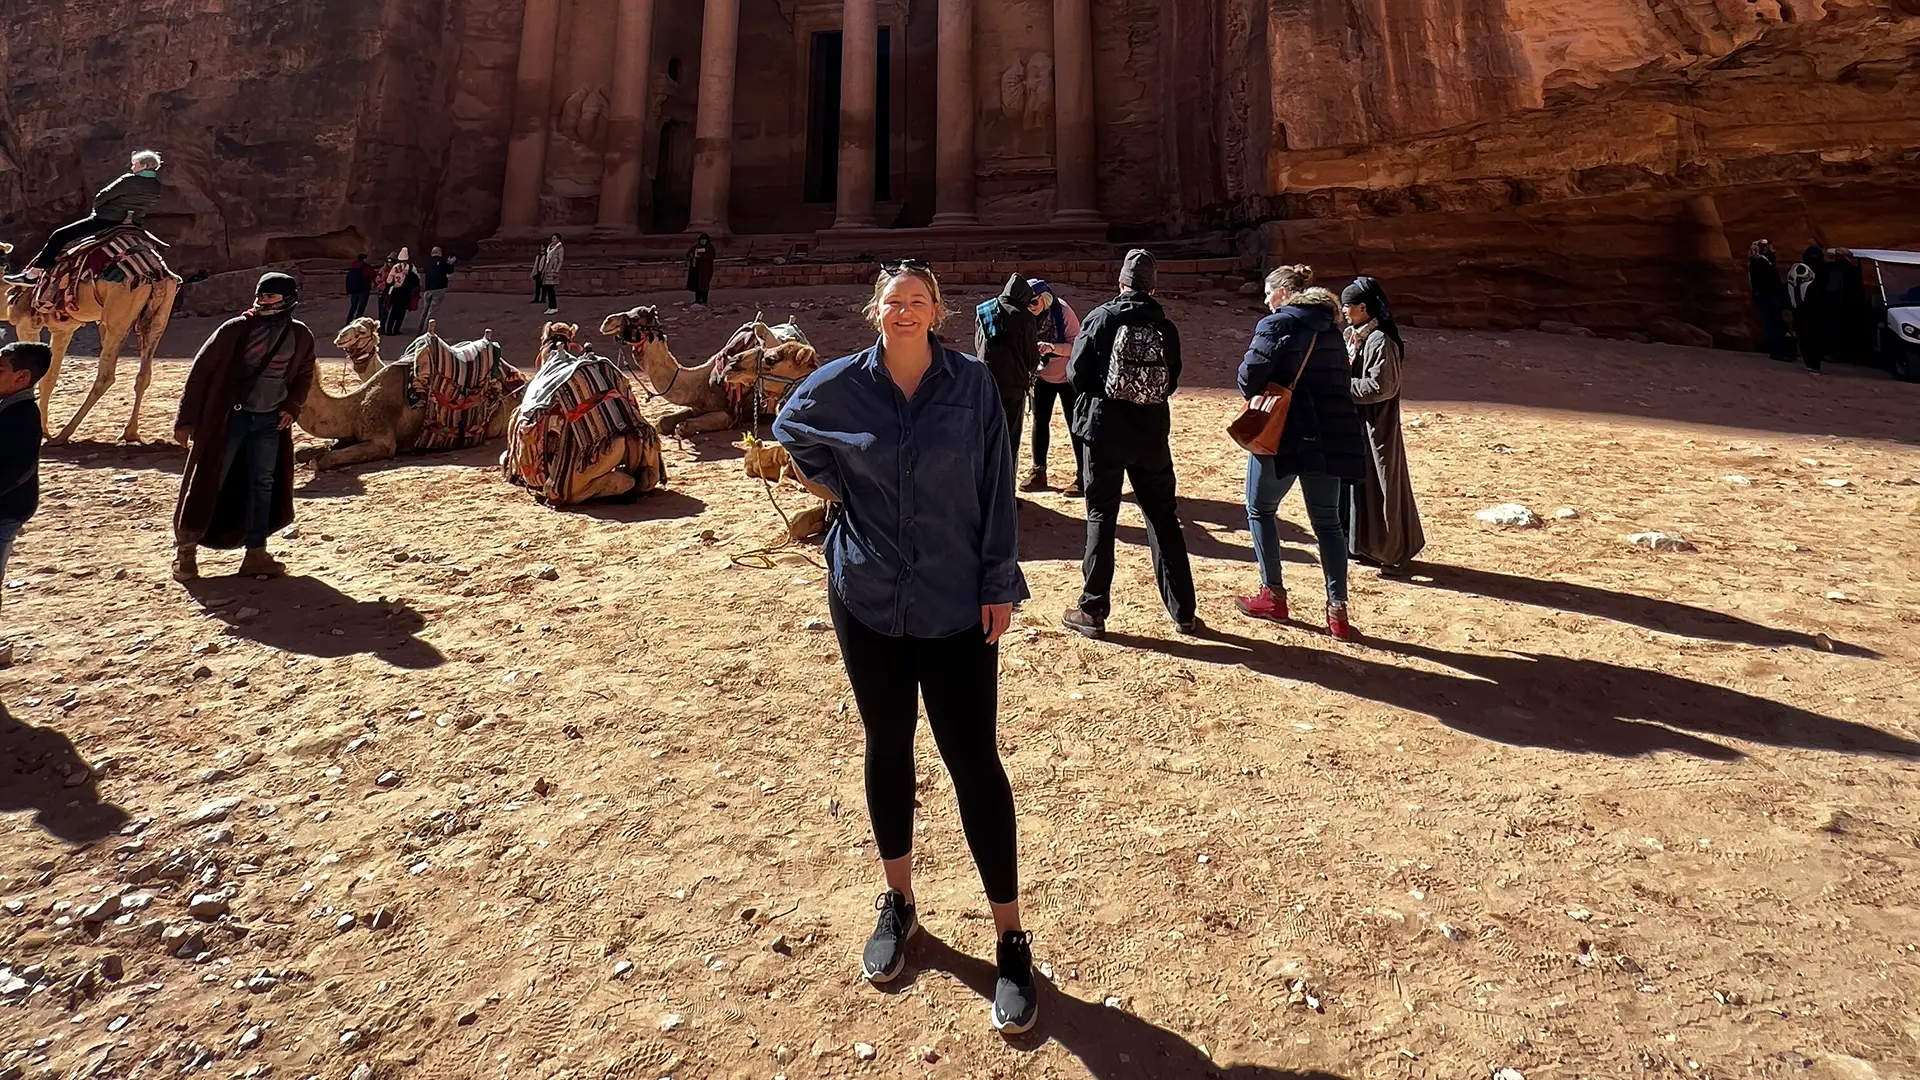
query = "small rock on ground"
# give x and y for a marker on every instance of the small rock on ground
(1512, 515)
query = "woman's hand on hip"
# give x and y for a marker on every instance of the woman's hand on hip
(995, 619)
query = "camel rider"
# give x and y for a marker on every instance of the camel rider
(126, 201)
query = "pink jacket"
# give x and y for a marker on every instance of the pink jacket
(1056, 370)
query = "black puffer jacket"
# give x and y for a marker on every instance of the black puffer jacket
(1012, 351)
(1323, 435)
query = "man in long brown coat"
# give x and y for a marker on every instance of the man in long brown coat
(247, 385)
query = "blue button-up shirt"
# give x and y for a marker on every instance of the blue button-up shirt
(928, 530)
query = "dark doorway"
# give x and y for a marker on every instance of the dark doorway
(673, 178)
(823, 118)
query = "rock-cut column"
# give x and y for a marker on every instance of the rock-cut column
(1076, 198)
(859, 61)
(953, 194)
(627, 122)
(713, 122)
(532, 103)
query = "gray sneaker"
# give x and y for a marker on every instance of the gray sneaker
(886, 953)
(1016, 1001)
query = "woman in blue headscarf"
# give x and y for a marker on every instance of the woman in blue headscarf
(1385, 529)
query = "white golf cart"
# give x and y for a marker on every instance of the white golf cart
(1893, 290)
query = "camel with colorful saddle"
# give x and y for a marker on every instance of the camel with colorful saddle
(435, 397)
(578, 434)
(116, 280)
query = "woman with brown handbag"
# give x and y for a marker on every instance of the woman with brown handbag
(1322, 444)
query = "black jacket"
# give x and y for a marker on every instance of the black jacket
(1323, 435)
(1095, 418)
(20, 437)
(128, 199)
(437, 269)
(1763, 274)
(359, 279)
(1012, 351)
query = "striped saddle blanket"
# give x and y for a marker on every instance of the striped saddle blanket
(574, 410)
(124, 254)
(461, 388)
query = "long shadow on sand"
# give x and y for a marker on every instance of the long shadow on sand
(1665, 616)
(661, 504)
(345, 483)
(163, 457)
(1058, 530)
(1112, 1044)
(36, 764)
(1554, 702)
(308, 616)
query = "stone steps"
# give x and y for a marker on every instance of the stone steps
(583, 277)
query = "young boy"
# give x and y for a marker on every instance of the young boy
(22, 364)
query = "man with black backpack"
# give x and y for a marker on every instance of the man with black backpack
(1125, 365)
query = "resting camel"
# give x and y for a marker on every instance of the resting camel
(360, 341)
(375, 422)
(703, 406)
(117, 309)
(770, 359)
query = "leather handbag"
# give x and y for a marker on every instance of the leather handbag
(1259, 426)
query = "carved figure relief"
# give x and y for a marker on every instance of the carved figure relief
(1026, 92)
(1039, 112)
(583, 116)
(1013, 92)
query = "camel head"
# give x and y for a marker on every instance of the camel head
(358, 337)
(773, 358)
(556, 340)
(637, 327)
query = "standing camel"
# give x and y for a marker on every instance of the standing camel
(116, 308)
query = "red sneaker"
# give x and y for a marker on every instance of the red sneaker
(1337, 623)
(1265, 604)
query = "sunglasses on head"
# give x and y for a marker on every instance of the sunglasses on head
(906, 266)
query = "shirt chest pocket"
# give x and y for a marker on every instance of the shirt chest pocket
(946, 447)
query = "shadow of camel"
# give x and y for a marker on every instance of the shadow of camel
(307, 616)
(1111, 1043)
(35, 765)
(346, 483)
(152, 456)
(660, 504)
(1643, 611)
(1552, 702)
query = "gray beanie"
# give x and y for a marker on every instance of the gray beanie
(1140, 272)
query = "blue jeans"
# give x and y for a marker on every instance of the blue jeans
(8, 530)
(258, 436)
(1266, 486)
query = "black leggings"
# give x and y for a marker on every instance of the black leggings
(959, 677)
(1044, 395)
(550, 294)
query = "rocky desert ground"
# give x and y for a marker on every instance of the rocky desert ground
(484, 789)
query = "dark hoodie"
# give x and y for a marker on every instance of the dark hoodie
(1323, 435)
(1007, 339)
(1097, 418)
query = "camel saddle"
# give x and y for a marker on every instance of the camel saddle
(578, 413)
(125, 254)
(461, 387)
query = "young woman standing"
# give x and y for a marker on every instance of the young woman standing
(1386, 521)
(909, 440)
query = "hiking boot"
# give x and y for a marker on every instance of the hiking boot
(886, 952)
(1265, 604)
(186, 563)
(1016, 1001)
(1188, 626)
(1337, 623)
(258, 563)
(1083, 624)
(1036, 480)
(1075, 491)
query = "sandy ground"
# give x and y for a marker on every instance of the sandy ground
(1572, 809)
